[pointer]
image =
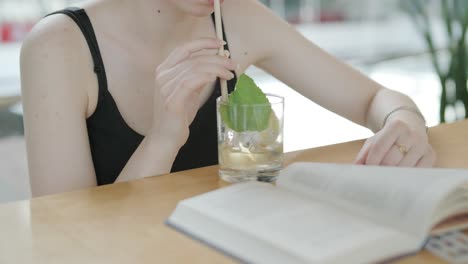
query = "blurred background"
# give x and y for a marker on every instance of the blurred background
(383, 39)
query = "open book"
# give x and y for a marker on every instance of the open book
(328, 213)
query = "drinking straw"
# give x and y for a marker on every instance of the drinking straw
(219, 34)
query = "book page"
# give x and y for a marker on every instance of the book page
(401, 197)
(278, 221)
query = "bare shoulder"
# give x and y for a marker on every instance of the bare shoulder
(55, 59)
(53, 35)
(251, 24)
(241, 8)
(244, 17)
(251, 16)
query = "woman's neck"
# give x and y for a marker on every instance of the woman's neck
(153, 19)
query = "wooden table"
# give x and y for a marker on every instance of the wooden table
(124, 223)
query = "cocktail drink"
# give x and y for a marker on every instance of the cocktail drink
(250, 137)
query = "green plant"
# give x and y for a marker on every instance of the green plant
(453, 74)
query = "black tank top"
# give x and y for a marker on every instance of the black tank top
(113, 142)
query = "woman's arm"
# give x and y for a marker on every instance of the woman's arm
(293, 59)
(55, 103)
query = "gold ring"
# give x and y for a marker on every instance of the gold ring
(402, 148)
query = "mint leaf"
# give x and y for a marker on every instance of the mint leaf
(248, 108)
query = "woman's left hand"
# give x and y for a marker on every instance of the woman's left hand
(398, 144)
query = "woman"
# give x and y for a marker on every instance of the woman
(111, 91)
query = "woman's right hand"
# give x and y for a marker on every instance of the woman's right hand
(179, 82)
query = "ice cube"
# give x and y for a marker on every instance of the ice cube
(247, 139)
